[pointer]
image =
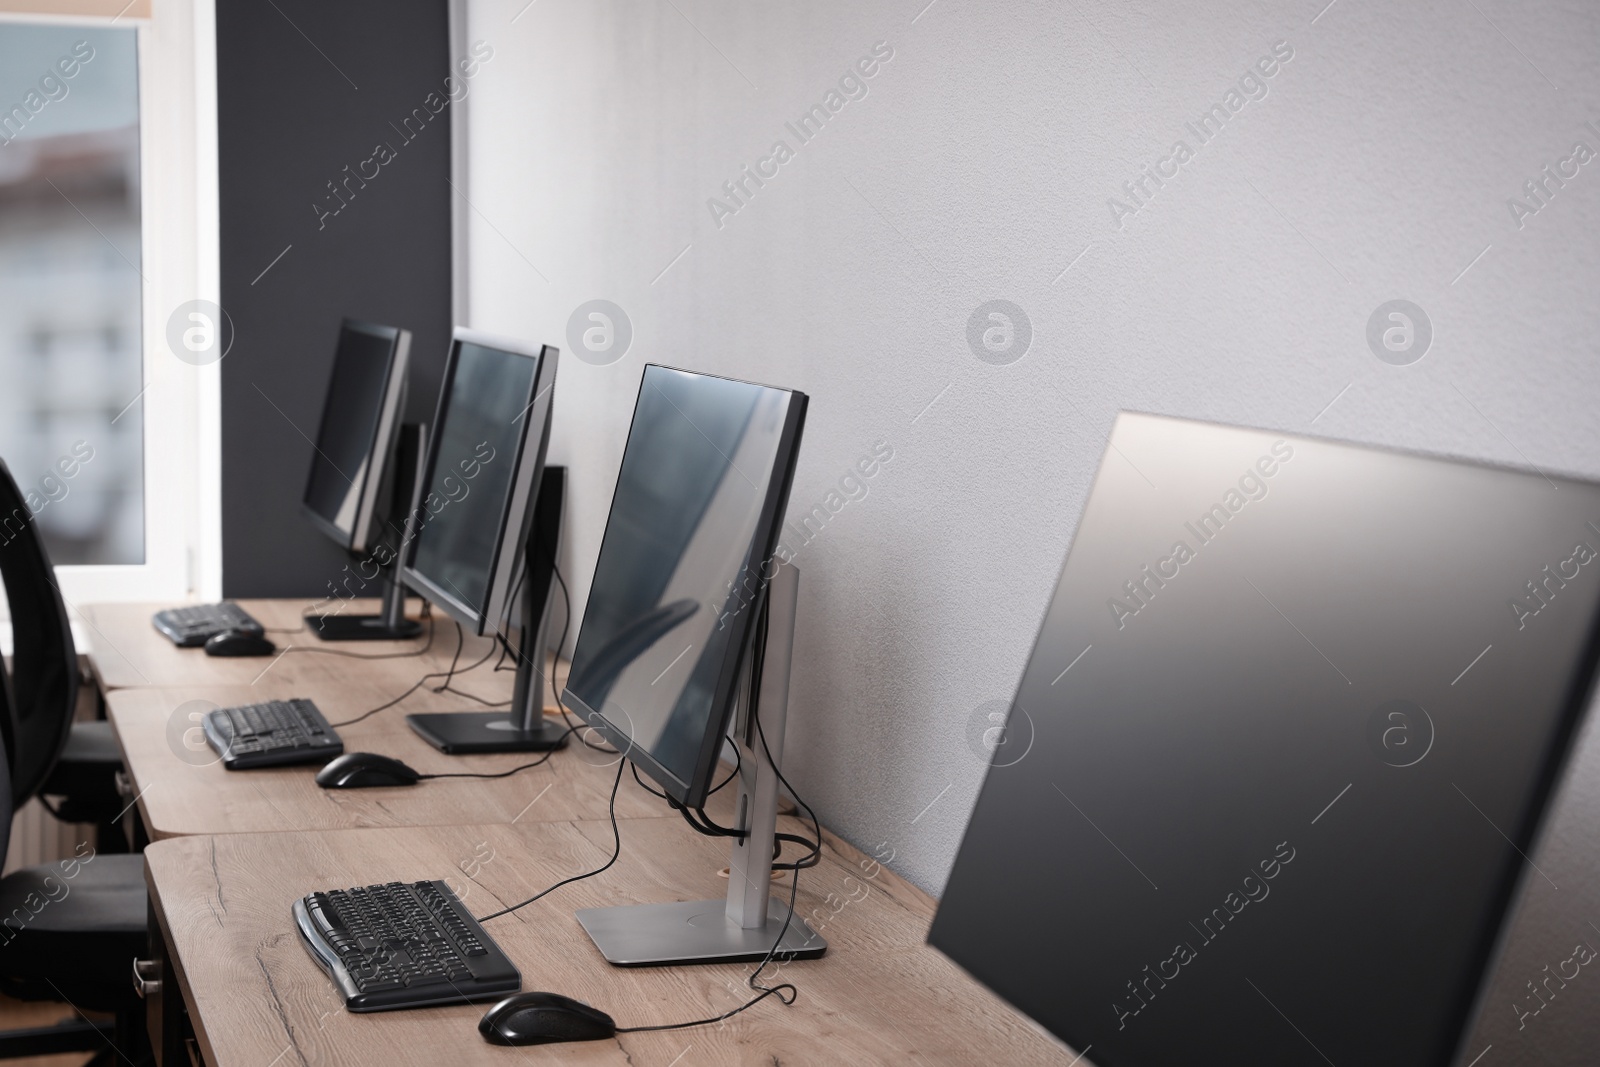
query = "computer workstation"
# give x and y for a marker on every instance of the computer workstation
(688, 629)
(480, 525)
(361, 491)
(1220, 654)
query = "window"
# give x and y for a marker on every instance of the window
(71, 428)
(108, 234)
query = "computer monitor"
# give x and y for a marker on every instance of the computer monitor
(682, 586)
(1279, 755)
(363, 471)
(471, 552)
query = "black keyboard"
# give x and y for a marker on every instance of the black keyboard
(402, 945)
(273, 734)
(193, 626)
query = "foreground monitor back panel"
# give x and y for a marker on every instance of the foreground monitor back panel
(1293, 711)
(694, 521)
(484, 462)
(359, 419)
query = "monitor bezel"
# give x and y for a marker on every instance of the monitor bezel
(381, 445)
(763, 549)
(516, 510)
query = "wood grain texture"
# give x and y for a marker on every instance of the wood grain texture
(126, 651)
(880, 996)
(183, 788)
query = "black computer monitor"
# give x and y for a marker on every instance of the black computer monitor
(1292, 720)
(689, 617)
(361, 416)
(694, 523)
(470, 546)
(363, 476)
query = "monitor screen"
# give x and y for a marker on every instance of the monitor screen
(704, 480)
(1290, 722)
(472, 462)
(342, 460)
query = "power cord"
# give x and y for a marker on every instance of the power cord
(418, 684)
(784, 991)
(704, 824)
(616, 850)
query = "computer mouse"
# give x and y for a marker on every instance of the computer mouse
(360, 770)
(239, 643)
(544, 1019)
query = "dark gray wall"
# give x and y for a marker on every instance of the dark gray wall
(304, 90)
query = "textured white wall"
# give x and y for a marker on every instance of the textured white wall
(979, 166)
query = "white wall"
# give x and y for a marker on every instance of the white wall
(979, 166)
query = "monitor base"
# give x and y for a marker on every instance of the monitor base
(361, 628)
(459, 733)
(696, 931)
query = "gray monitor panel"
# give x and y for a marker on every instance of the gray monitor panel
(1289, 727)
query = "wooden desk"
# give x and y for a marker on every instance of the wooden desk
(256, 999)
(126, 651)
(183, 788)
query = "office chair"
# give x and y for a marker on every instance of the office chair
(49, 753)
(71, 931)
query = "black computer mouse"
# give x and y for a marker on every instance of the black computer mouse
(359, 770)
(544, 1019)
(239, 643)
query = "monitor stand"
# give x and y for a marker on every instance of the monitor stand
(405, 497)
(744, 925)
(390, 624)
(523, 727)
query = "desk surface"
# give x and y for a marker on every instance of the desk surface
(183, 789)
(126, 651)
(880, 996)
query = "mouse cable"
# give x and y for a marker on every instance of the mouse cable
(500, 774)
(784, 991)
(616, 850)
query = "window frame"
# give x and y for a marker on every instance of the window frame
(180, 261)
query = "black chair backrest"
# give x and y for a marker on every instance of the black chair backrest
(6, 805)
(44, 663)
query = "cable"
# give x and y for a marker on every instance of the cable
(505, 646)
(816, 827)
(461, 641)
(447, 688)
(566, 624)
(764, 992)
(382, 655)
(501, 774)
(420, 682)
(648, 788)
(616, 850)
(702, 823)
